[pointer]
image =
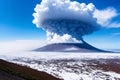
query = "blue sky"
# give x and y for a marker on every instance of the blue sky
(16, 20)
(16, 23)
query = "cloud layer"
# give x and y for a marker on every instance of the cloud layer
(105, 16)
(20, 45)
(64, 17)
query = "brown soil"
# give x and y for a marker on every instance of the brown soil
(11, 71)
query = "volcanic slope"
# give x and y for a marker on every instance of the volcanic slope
(69, 47)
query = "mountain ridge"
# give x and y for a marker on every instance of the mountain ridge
(69, 47)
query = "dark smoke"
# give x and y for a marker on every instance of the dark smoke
(75, 28)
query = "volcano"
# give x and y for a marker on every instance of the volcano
(69, 47)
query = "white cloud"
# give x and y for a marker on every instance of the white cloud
(56, 9)
(20, 45)
(61, 39)
(66, 9)
(105, 16)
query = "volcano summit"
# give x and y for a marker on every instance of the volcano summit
(69, 47)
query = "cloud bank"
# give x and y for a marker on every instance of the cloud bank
(68, 21)
(105, 16)
(20, 45)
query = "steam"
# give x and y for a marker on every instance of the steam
(68, 21)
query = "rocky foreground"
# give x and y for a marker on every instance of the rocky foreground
(11, 71)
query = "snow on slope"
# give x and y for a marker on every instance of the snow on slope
(68, 66)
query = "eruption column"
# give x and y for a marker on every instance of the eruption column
(65, 20)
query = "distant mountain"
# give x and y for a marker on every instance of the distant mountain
(69, 47)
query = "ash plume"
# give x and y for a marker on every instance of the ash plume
(75, 28)
(67, 21)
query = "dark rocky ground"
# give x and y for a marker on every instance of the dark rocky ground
(11, 71)
(7, 76)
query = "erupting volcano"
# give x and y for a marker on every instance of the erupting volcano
(65, 22)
